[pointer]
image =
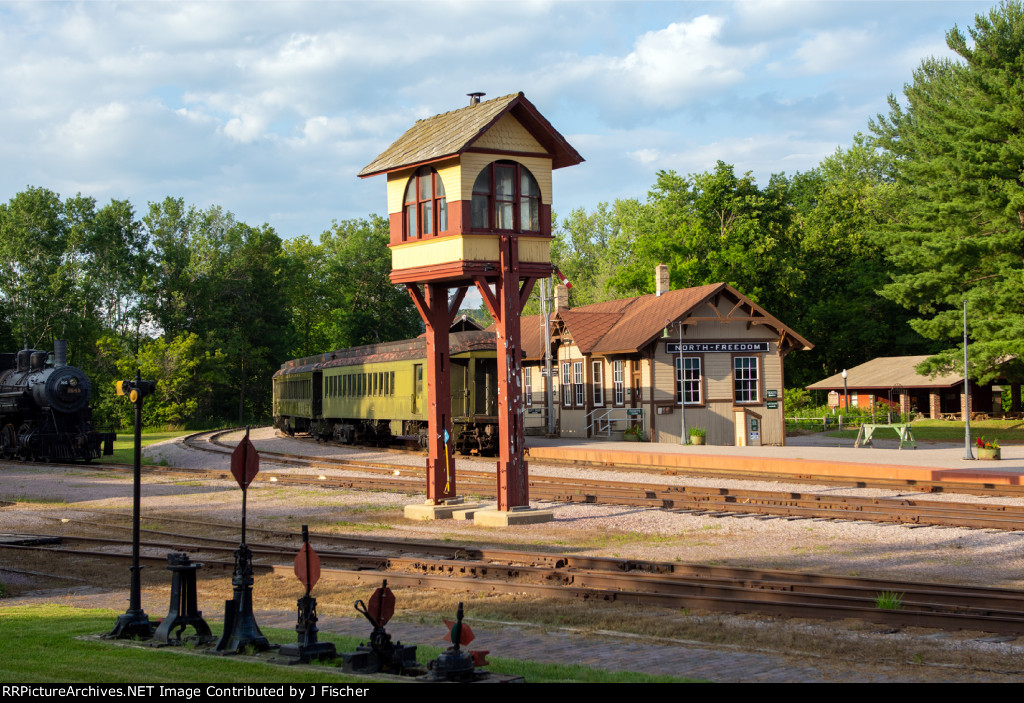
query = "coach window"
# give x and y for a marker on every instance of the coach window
(426, 208)
(745, 379)
(505, 197)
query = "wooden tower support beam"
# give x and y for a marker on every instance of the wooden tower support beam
(505, 306)
(438, 314)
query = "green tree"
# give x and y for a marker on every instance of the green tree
(712, 227)
(838, 206)
(364, 306)
(958, 145)
(186, 376)
(589, 247)
(307, 296)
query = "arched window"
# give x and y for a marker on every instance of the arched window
(426, 208)
(505, 196)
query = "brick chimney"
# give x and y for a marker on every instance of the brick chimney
(561, 297)
(661, 284)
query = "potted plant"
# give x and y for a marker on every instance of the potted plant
(988, 450)
(634, 434)
(697, 435)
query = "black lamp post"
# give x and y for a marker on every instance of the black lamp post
(134, 622)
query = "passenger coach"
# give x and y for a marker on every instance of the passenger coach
(374, 394)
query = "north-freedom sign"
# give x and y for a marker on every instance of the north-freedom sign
(712, 347)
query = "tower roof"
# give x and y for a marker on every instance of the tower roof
(451, 133)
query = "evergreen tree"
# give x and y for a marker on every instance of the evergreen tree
(959, 149)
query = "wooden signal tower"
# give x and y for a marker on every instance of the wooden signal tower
(469, 204)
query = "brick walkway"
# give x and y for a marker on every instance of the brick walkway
(627, 653)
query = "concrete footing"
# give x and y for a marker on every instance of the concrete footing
(520, 515)
(438, 511)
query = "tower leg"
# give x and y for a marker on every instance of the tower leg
(513, 485)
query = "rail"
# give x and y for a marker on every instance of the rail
(602, 420)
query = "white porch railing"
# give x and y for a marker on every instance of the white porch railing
(602, 420)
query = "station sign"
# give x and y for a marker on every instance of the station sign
(715, 347)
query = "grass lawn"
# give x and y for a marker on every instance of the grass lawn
(124, 445)
(946, 431)
(38, 645)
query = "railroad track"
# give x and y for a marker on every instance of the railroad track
(464, 568)
(697, 500)
(683, 498)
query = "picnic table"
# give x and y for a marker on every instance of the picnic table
(867, 432)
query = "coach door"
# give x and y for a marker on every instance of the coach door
(417, 396)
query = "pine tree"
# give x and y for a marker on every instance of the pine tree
(959, 149)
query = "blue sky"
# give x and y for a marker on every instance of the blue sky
(269, 109)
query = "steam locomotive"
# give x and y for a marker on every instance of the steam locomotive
(44, 409)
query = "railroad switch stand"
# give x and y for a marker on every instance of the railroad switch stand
(454, 664)
(240, 628)
(381, 655)
(183, 611)
(307, 569)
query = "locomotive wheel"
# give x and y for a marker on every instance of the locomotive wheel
(8, 442)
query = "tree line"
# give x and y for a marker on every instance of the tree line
(207, 306)
(871, 253)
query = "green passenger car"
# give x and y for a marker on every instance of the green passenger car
(375, 394)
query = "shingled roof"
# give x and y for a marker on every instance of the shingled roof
(630, 324)
(451, 133)
(886, 372)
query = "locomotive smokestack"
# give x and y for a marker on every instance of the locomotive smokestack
(60, 353)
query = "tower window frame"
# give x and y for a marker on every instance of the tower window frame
(506, 198)
(424, 205)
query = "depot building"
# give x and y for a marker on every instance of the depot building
(659, 365)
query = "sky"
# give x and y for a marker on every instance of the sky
(269, 109)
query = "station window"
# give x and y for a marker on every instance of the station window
(426, 207)
(577, 372)
(566, 385)
(598, 382)
(617, 379)
(745, 379)
(505, 197)
(528, 386)
(688, 380)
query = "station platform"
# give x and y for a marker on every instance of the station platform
(810, 455)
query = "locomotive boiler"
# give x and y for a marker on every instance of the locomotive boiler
(44, 409)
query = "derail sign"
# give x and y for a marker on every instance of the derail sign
(711, 347)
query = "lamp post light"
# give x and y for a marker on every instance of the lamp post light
(846, 392)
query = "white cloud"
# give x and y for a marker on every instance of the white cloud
(831, 51)
(666, 69)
